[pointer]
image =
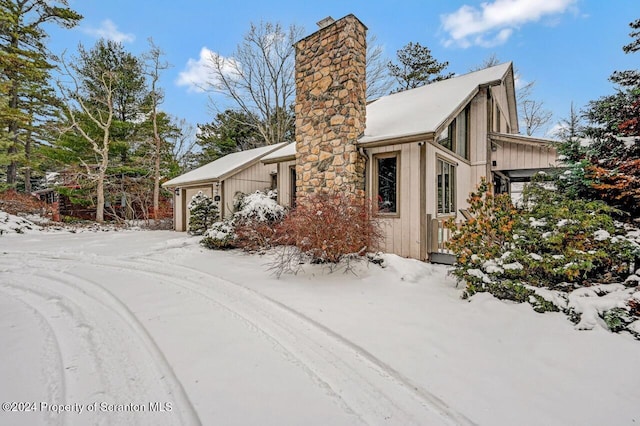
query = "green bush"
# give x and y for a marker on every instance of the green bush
(551, 242)
(203, 212)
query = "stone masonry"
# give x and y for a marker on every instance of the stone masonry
(331, 108)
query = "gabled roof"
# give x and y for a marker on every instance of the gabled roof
(425, 109)
(223, 167)
(286, 153)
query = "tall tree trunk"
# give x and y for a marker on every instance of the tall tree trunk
(102, 171)
(12, 167)
(156, 174)
(156, 187)
(100, 197)
(27, 169)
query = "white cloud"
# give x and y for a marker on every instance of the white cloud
(494, 22)
(198, 73)
(109, 31)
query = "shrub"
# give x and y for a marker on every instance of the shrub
(328, 226)
(203, 212)
(220, 236)
(256, 219)
(544, 250)
(252, 226)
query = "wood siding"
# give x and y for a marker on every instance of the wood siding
(478, 129)
(402, 233)
(182, 200)
(284, 182)
(515, 156)
(252, 179)
(499, 96)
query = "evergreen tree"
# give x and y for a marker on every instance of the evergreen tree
(203, 212)
(608, 167)
(226, 134)
(101, 104)
(24, 77)
(416, 67)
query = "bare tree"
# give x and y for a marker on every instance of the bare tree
(182, 143)
(490, 61)
(534, 115)
(101, 118)
(154, 67)
(259, 78)
(379, 81)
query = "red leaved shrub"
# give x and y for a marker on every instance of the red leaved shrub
(15, 203)
(328, 226)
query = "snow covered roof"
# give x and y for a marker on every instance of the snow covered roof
(223, 167)
(286, 152)
(425, 109)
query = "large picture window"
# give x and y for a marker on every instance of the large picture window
(446, 181)
(386, 183)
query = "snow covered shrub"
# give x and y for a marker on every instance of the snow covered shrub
(220, 236)
(255, 220)
(252, 226)
(329, 226)
(545, 251)
(203, 212)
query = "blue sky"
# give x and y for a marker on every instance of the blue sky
(568, 47)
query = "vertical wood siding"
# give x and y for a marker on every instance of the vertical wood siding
(514, 156)
(402, 234)
(284, 182)
(189, 193)
(249, 180)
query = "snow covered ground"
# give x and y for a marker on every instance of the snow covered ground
(147, 327)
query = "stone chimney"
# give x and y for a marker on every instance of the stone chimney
(331, 108)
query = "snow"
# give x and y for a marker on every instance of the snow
(595, 300)
(425, 109)
(125, 319)
(220, 168)
(537, 223)
(535, 256)
(601, 235)
(287, 151)
(12, 224)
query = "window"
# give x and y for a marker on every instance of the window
(447, 137)
(386, 182)
(463, 124)
(292, 187)
(456, 136)
(446, 173)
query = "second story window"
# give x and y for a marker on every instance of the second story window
(456, 136)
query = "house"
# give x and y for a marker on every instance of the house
(418, 154)
(222, 179)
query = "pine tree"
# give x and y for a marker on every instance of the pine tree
(203, 212)
(416, 67)
(608, 167)
(24, 76)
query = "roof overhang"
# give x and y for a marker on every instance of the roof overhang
(521, 139)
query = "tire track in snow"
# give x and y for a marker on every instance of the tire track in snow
(362, 383)
(100, 364)
(52, 365)
(401, 388)
(367, 386)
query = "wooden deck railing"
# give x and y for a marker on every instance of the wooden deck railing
(438, 235)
